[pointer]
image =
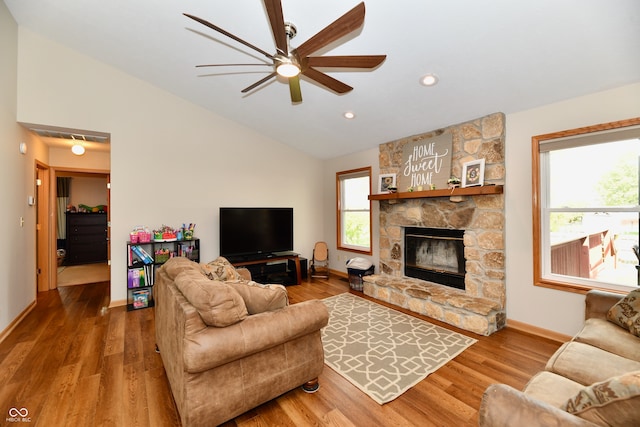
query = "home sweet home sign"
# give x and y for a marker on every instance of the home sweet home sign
(426, 163)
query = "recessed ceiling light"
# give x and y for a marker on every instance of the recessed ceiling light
(349, 115)
(429, 79)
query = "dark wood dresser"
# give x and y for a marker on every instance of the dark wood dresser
(86, 238)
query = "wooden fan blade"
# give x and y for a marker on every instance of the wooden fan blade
(352, 61)
(228, 34)
(294, 89)
(259, 82)
(274, 10)
(342, 26)
(232, 65)
(327, 81)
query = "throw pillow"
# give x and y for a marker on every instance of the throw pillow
(177, 265)
(615, 401)
(626, 312)
(217, 303)
(260, 298)
(220, 269)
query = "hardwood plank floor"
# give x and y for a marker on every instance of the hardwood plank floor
(73, 362)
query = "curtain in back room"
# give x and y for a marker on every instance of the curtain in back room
(62, 192)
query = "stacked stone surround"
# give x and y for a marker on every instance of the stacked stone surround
(480, 308)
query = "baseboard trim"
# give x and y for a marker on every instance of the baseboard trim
(17, 321)
(118, 303)
(534, 330)
(339, 273)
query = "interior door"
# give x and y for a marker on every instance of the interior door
(44, 259)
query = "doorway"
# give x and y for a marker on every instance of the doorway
(43, 234)
(93, 162)
(82, 231)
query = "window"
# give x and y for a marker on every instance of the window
(354, 210)
(586, 207)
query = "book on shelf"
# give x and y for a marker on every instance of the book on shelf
(141, 298)
(141, 254)
(133, 278)
(138, 277)
(149, 275)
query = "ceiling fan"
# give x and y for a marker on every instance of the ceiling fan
(291, 63)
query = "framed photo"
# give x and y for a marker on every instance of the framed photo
(473, 173)
(385, 181)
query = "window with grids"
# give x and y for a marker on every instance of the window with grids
(586, 207)
(354, 210)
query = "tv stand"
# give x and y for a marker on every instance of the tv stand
(260, 265)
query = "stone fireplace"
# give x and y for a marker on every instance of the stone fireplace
(477, 303)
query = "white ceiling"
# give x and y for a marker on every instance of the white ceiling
(490, 56)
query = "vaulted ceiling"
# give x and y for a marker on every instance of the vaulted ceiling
(489, 56)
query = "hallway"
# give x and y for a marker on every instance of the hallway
(83, 274)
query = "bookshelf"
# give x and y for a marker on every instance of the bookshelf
(144, 258)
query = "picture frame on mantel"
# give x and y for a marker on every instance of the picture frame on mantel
(385, 181)
(473, 173)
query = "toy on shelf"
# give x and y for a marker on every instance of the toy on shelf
(140, 234)
(188, 231)
(164, 234)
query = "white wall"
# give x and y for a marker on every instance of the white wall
(88, 191)
(63, 158)
(13, 299)
(171, 161)
(17, 175)
(337, 259)
(546, 308)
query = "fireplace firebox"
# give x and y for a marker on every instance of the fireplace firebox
(435, 255)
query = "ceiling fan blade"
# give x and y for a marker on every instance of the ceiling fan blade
(326, 80)
(294, 89)
(274, 10)
(228, 34)
(352, 61)
(232, 65)
(259, 82)
(342, 26)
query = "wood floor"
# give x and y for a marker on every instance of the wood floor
(72, 362)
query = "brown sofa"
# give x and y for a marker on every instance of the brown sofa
(594, 379)
(229, 344)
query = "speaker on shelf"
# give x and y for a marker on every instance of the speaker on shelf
(303, 267)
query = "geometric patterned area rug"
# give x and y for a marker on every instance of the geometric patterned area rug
(382, 351)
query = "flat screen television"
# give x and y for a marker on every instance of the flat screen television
(255, 231)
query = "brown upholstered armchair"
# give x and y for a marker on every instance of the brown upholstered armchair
(228, 344)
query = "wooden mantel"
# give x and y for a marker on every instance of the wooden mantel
(468, 191)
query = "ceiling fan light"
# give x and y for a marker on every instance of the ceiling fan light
(288, 69)
(77, 149)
